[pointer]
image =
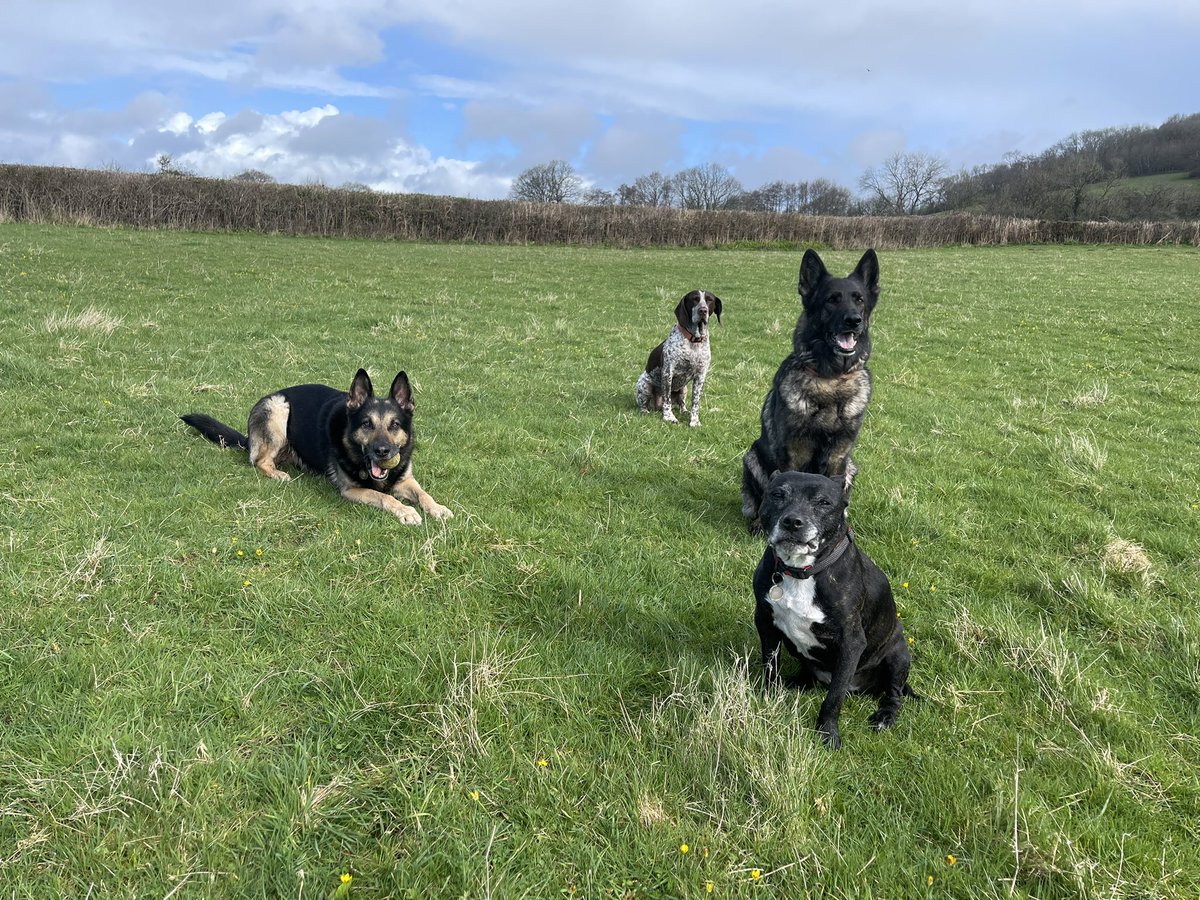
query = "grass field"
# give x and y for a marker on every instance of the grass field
(1174, 180)
(219, 685)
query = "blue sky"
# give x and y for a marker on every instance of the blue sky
(459, 96)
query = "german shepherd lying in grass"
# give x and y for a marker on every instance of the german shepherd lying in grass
(360, 442)
(812, 414)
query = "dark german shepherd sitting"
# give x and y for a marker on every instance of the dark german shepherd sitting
(815, 408)
(360, 442)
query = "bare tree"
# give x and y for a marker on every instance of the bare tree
(904, 182)
(599, 197)
(825, 198)
(654, 189)
(166, 166)
(710, 186)
(775, 196)
(254, 176)
(552, 182)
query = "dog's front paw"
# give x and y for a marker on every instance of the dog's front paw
(695, 422)
(404, 513)
(669, 417)
(829, 734)
(883, 719)
(439, 512)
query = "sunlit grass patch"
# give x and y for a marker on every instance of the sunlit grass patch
(89, 319)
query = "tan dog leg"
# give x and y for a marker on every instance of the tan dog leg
(408, 489)
(387, 502)
(268, 435)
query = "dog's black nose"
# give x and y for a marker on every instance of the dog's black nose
(853, 321)
(792, 523)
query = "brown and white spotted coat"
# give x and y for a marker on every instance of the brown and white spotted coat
(683, 358)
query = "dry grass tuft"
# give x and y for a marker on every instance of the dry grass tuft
(91, 319)
(650, 811)
(1126, 557)
(1096, 396)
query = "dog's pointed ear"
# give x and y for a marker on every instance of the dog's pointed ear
(716, 306)
(868, 271)
(402, 391)
(812, 270)
(681, 315)
(360, 391)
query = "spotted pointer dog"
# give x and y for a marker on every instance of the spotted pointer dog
(683, 358)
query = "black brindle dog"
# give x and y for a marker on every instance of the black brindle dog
(812, 414)
(360, 442)
(820, 595)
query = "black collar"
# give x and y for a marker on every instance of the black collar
(822, 563)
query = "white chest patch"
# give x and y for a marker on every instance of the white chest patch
(795, 611)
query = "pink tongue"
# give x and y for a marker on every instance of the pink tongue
(376, 472)
(847, 341)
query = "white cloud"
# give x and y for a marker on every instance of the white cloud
(178, 123)
(210, 123)
(318, 144)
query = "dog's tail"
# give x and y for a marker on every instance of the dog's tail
(217, 432)
(757, 467)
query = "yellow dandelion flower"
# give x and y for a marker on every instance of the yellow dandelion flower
(929, 881)
(241, 553)
(911, 640)
(233, 540)
(258, 552)
(246, 583)
(932, 588)
(347, 878)
(683, 848)
(755, 874)
(951, 859)
(543, 762)
(474, 795)
(906, 585)
(708, 887)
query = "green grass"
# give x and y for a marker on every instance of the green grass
(550, 694)
(1175, 180)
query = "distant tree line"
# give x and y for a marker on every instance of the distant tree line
(166, 199)
(711, 187)
(1081, 178)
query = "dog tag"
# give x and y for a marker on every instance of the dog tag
(776, 592)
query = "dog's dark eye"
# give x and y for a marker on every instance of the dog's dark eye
(779, 494)
(393, 426)
(824, 501)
